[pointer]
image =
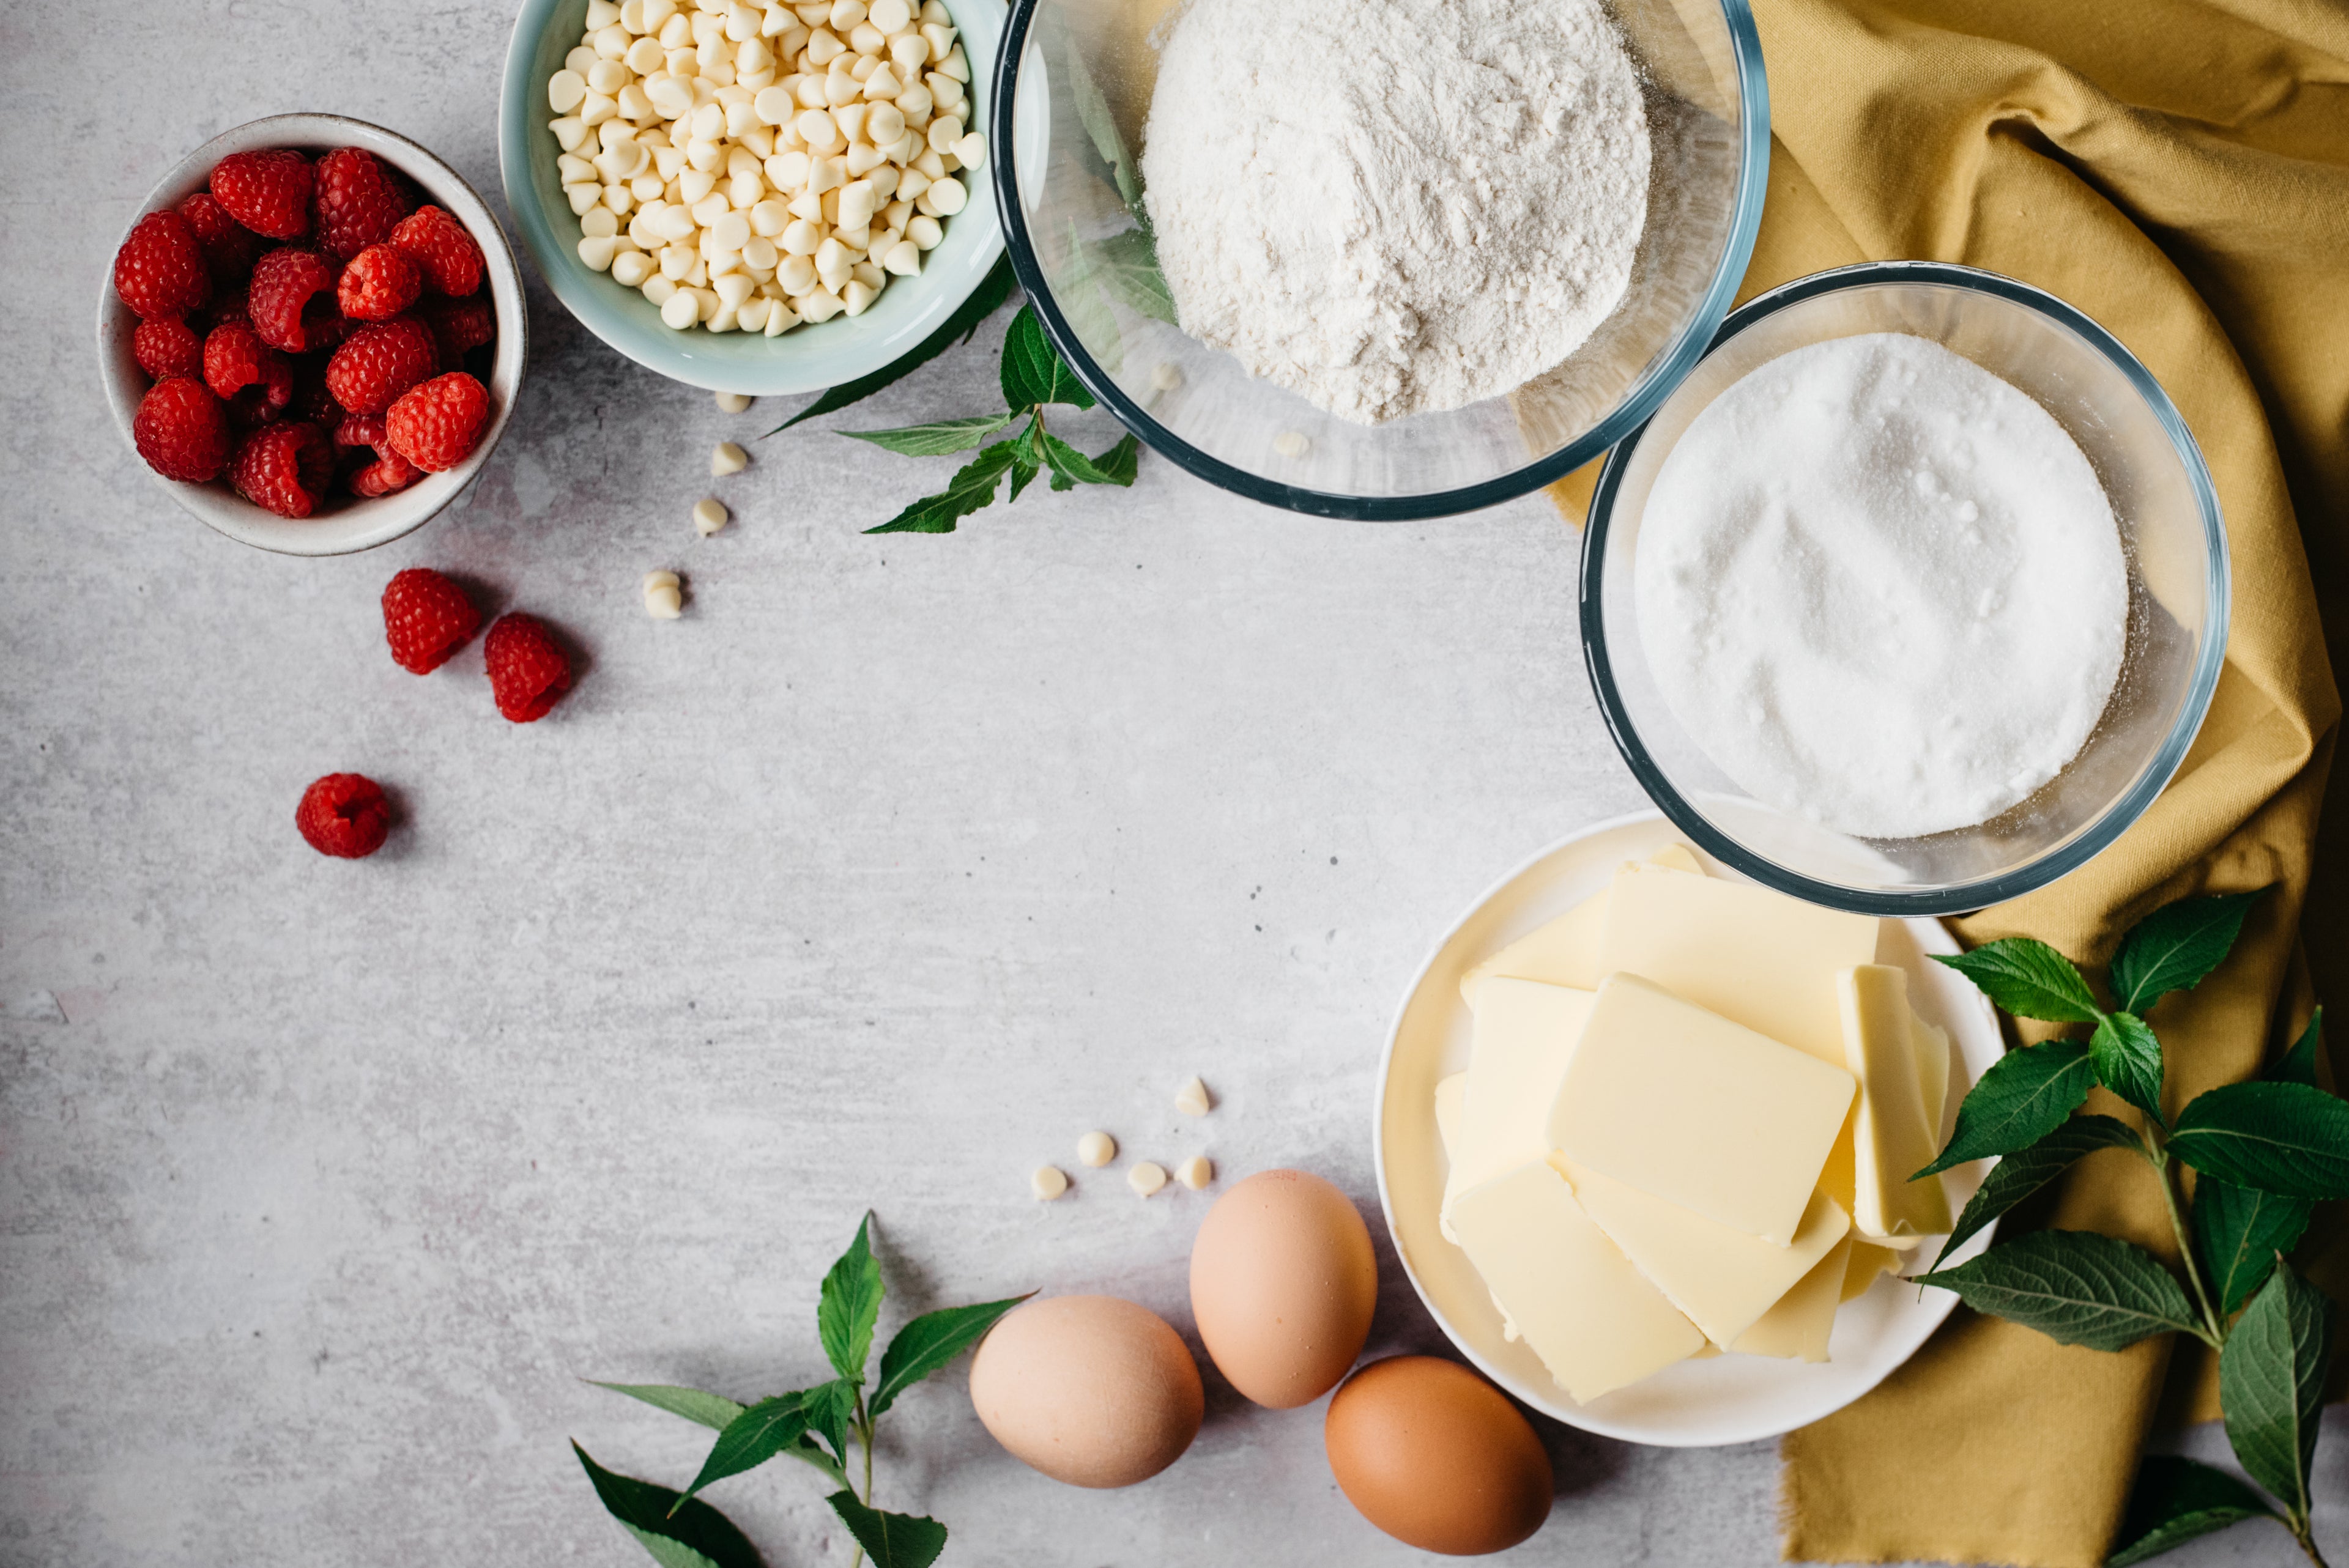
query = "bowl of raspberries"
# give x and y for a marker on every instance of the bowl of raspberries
(312, 334)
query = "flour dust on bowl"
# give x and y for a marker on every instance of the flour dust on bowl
(1911, 597)
(1381, 264)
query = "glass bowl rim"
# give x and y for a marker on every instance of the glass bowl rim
(1647, 394)
(2123, 809)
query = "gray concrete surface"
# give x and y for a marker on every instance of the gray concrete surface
(891, 868)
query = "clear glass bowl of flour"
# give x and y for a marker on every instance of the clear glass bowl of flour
(1073, 91)
(2171, 534)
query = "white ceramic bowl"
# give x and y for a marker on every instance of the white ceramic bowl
(345, 523)
(1722, 1399)
(807, 358)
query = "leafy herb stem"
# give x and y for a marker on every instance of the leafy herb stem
(2303, 1533)
(864, 1439)
(2213, 1331)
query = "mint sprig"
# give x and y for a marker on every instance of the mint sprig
(821, 1426)
(2265, 1153)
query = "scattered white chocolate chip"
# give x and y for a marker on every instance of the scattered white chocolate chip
(664, 595)
(1192, 1099)
(1195, 1172)
(1096, 1148)
(727, 457)
(1146, 1177)
(733, 402)
(1289, 444)
(1165, 375)
(1048, 1183)
(709, 515)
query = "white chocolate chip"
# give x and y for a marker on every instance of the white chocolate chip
(1048, 1183)
(1192, 1099)
(664, 595)
(1291, 444)
(733, 402)
(709, 514)
(1195, 1172)
(1146, 1177)
(1096, 1148)
(727, 457)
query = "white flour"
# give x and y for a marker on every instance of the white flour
(1881, 587)
(1395, 206)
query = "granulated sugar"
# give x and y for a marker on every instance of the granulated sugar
(1882, 588)
(1393, 206)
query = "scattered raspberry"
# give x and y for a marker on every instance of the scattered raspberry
(229, 248)
(181, 430)
(459, 326)
(168, 347)
(387, 474)
(356, 205)
(255, 379)
(284, 468)
(267, 192)
(435, 425)
(344, 815)
(293, 301)
(427, 618)
(160, 269)
(381, 361)
(440, 244)
(529, 671)
(380, 284)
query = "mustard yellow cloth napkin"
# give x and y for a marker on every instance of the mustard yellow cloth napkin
(2179, 170)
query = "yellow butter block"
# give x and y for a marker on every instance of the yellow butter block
(1722, 1280)
(1868, 1261)
(1891, 1139)
(1932, 1070)
(1800, 1326)
(1566, 951)
(1699, 1111)
(1517, 1054)
(1448, 1110)
(1594, 1320)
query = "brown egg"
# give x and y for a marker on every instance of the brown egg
(1283, 1282)
(1437, 1457)
(1090, 1390)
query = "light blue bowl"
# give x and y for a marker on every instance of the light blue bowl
(807, 358)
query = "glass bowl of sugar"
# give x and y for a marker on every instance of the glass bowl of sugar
(1385, 259)
(1911, 597)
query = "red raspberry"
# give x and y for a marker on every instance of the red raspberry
(229, 248)
(435, 425)
(160, 269)
(371, 466)
(427, 618)
(255, 379)
(292, 301)
(168, 347)
(380, 284)
(284, 468)
(459, 326)
(387, 474)
(181, 430)
(344, 815)
(381, 361)
(440, 244)
(229, 303)
(529, 671)
(267, 192)
(362, 431)
(356, 205)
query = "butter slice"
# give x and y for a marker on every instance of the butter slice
(1566, 951)
(1448, 1110)
(1890, 1139)
(1596, 1323)
(1932, 1071)
(1800, 1326)
(1524, 1037)
(1722, 1280)
(1699, 1111)
(1868, 1261)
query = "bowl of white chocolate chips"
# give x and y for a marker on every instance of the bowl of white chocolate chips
(759, 199)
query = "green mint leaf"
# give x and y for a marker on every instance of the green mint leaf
(891, 1539)
(1128, 265)
(1118, 465)
(1027, 459)
(810, 1451)
(831, 1407)
(850, 1306)
(2271, 1384)
(931, 1342)
(2238, 1231)
(992, 290)
(1100, 125)
(2029, 979)
(2282, 1137)
(1033, 372)
(709, 1409)
(1084, 297)
(2298, 1065)
(2075, 1286)
(2176, 1499)
(698, 1537)
(769, 1428)
(2025, 1096)
(2026, 1170)
(936, 438)
(1114, 466)
(2173, 948)
(973, 487)
(2128, 1058)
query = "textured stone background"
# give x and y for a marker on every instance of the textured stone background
(875, 881)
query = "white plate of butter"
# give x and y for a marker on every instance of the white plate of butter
(1654, 1180)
